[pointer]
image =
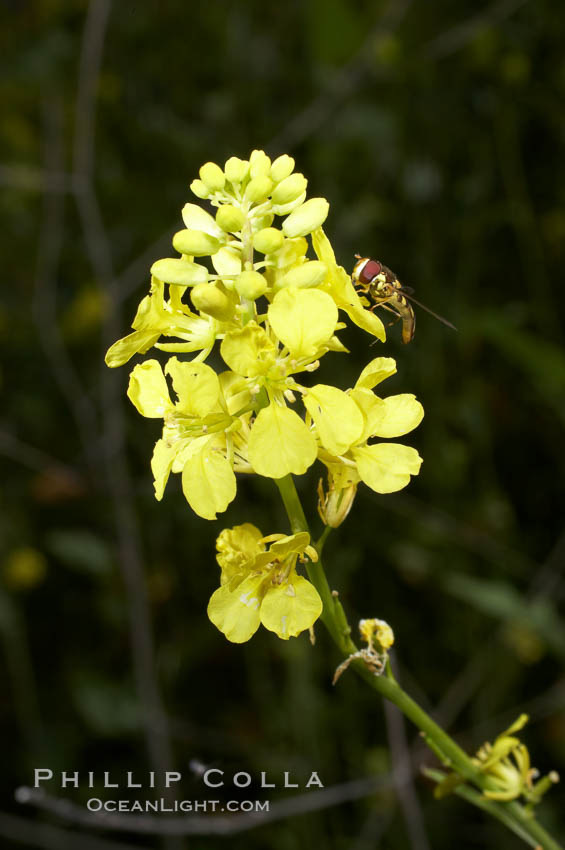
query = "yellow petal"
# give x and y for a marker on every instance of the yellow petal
(290, 608)
(402, 413)
(236, 612)
(148, 389)
(338, 284)
(303, 319)
(196, 218)
(161, 465)
(280, 443)
(248, 351)
(196, 385)
(376, 371)
(136, 343)
(208, 483)
(237, 547)
(387, 467)
(339, 422)
(373, 411)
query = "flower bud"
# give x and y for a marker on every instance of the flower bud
(236, 169)
(251, 285)
(200, 189)
(230, 218)
(285, 209)
(290, 189)
(263, 221)
(306, 218)
(258, 189)
(335, 505)
(195, 242)
(172, 270)
(208, 299)
(268, 240)
(212, 176)
(260, 164)
(310, 273)
(281, 167)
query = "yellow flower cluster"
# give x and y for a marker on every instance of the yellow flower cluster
(275, 312)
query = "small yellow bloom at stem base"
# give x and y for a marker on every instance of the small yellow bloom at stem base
(260, 585)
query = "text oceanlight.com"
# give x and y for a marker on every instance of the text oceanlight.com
(95, 804)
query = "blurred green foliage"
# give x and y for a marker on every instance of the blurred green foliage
(436, 132)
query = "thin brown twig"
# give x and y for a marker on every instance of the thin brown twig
(403, 777)
(46, 837)
(44, 304)
(460, 34)
(30, 456)
(339, 85)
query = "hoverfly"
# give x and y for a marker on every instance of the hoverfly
(381, 285)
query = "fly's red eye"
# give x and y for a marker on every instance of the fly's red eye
(370, 271)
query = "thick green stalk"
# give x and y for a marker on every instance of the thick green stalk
(512, 814)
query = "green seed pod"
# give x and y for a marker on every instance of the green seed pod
(281, 168)
(268, 240)
(212, 176)
(310, 273)
(236, 169)
(260, 164)
(200, 189)
(290, 189)
(230, 218)
(172, 270)
(251, 285)
(306, 218)
(258, 189)
(208, 299)
(195, 242)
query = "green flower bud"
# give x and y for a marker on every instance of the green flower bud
(258, 189)
(263, 221)
(260, 164)
(212, 176)
(236, 169)
(195, 242)
(230, 218)
(268, 240)
(306, 218)
(208, 299)
(200, 189)
(310, 273)
(285, 209)
(251, 285)
(172, 270)
(290, 189)
(281, 167)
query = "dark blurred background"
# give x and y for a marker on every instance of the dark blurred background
(436, 132)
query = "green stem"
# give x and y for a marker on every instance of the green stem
(333, 616)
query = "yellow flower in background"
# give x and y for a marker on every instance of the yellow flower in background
(260, 585)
